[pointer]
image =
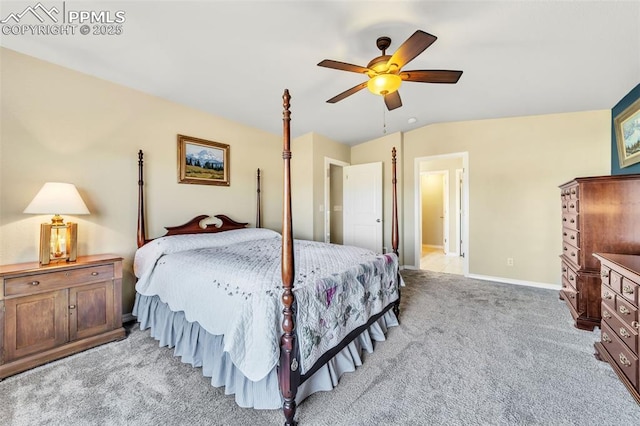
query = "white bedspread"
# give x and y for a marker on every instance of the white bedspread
(230, 283)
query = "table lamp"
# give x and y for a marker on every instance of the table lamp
(58, 240)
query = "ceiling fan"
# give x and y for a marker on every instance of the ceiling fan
(384, 71)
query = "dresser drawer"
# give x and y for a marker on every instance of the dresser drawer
(29, 284)
(572, 206)
(629, 290)
(626, 311)
(625, 332)
(625, 359)
(571, 236)
(570, 294)
(572, 253)
(615, 279)
(608, 297)
(605, 274)
(571, 221)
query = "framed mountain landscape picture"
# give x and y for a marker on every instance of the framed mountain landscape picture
(203, 162)
(627, 127)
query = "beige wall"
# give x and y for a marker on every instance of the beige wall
(323, 147)
(515, 167)
(61, 125)
(302, 186)
(450, 165)
(380, 150)
(431, 195)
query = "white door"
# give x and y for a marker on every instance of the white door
(362, 206)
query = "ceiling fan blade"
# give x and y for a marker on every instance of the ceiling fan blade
(431, 76)
(346, 93)
(328, 63)
(412, 47)
(392, 100)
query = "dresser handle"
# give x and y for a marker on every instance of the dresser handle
(72, 306)
(564, 219)
(571, 277)
(623, 310)
(564, 206)
(572, 221)
(564, 269)
(573, 237)
(564, 234)
(573, 192)
(94, 274)
(604, 274)
(573, 253)
(624, 333)
(607, 295)
(635, 324)
(606, 338)
(606, 314)
(627, 289)
(571, 206)
(34, 283)
(624, 361)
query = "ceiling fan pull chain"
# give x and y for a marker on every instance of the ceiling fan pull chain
(384, 120)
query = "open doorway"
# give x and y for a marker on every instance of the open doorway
(333, 194)
(441, 213)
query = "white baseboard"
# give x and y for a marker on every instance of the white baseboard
(411, 267)
(128, 318)
(516, 282)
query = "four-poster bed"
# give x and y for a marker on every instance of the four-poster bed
(258, 311)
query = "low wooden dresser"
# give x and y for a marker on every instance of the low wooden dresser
(49, 312)
(620, 325)
(599, 214)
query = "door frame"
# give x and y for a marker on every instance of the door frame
(464, 208)
(445, 205)
(327, 194)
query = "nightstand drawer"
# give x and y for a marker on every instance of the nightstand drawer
(54, 280)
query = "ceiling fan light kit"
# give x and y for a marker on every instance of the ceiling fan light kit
(384, 71)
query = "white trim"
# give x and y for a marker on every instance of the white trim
(409, 267)
(516, 282)
(459, 177)
(465, 206)
(327, 194)
(128, 317)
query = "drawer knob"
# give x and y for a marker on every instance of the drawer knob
(572, 221)
(624, 333)
(624, 361)
(564, 219)
(606, 338)
(72, 306)
(604, 274)
(623, 310)
(573, 237)
(571, 206)
(607, 295)
(573, 253)
(571, 277)
(34, 283)
(564, 234)
(606, 314)
(627, 289)
(95, 274)
(635, 324)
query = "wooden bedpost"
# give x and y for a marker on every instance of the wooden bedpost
(288, 372)
(259, 204)
(394, 221)
(142, 238)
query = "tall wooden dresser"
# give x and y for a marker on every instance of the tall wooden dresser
(619, 342)
(599, 214)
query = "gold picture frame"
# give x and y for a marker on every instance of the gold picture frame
(627, 130)
(203, 162)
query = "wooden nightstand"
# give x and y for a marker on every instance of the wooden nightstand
(49, 312)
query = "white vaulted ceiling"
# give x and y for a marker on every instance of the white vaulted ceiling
(234, 58)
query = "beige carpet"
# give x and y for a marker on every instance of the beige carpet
(467, 352)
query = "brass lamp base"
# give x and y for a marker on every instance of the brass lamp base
(58, 241)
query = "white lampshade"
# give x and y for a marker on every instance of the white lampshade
(57, 198)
